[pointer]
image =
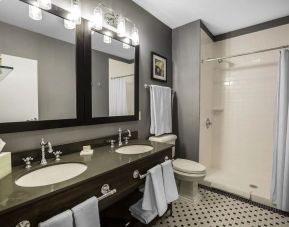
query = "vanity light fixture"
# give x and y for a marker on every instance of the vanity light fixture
(97, 18)
(134, 36)
(106, 39)
(121, 26)
(35, 12)
(68, 24)
(75, 11)
(45, 4)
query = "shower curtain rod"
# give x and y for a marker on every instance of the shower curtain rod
(244, 54)
(117, 77)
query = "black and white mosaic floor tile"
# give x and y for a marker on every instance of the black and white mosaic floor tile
(218, 209)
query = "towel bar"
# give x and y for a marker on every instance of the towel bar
(147, 86)
(136, 174)
(105, 190)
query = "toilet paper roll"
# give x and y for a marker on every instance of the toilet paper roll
(2, 144)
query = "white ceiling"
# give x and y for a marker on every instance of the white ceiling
(220, 16)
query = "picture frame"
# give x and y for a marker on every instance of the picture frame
(158, 67)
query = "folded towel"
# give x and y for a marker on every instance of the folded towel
(161, 110)
(61, 220)
(154, 194)
(144, 216)
(86, 214)
(170, 185)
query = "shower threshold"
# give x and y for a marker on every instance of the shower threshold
(256, 190)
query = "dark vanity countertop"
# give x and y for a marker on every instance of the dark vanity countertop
(103, 160)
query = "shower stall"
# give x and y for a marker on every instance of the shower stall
(237, 111)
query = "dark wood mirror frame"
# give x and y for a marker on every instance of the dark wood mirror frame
(88, 74)
(83, 85)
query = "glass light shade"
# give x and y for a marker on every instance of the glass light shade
(75, 12)
(125, 44)
(135, 36)
(69, 24)
(34, 12)
(121, 26)
(106, 39)
(97, 18)
(45, 4)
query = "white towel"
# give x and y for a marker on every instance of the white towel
(154, 194)
(144, 216)
(170, 185)
(86, 214)
(2, 144)
(161, 110)
(61, 220)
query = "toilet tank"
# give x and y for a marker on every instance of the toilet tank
(167, 138)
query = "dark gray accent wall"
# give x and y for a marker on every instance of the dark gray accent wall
(154, 36)
(186, 83)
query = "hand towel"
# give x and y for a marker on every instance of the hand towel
(61, 220)
(144, 216)
(154, 194)
(86, 214)
(170, 185)
(2, 144)
(161, 110)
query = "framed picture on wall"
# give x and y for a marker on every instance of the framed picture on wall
(159, 67)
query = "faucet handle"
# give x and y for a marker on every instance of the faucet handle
(111, 143)
(57, 155)
(50, 149)
(27, 161)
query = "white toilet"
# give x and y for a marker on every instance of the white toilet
(188, 173)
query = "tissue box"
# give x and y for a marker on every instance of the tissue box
(5, 163)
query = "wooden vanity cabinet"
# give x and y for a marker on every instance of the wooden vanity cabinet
(120, 179)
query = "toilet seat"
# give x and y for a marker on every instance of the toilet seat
(188, 167)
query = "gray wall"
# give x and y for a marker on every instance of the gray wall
(186, 83)
(56, 69)
(154, 36)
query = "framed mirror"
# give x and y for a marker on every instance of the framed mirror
(113, 81)
(38, 68)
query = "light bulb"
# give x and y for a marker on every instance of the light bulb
(34, 12)
(125, 44)
(68, 24)
(121, 26)
(45, 4)
(106, 39)
(97, 18)
(135, 36)
(75, 12)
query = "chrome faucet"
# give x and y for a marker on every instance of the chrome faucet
(43, 145)
(119, 136)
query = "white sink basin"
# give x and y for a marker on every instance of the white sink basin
(51, 175)
(134, 149)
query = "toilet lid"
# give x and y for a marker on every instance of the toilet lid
(188, 166)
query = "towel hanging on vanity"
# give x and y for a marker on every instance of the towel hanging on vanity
(170, 185)
(161, 110)
(154, 195)
(86, 214)
(61, 220)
